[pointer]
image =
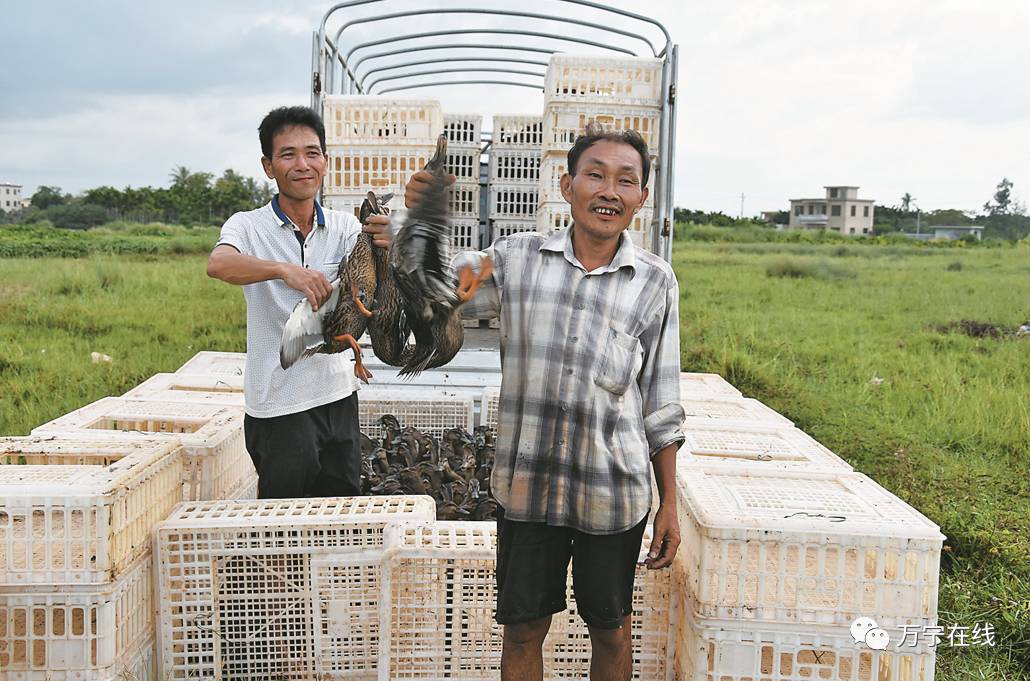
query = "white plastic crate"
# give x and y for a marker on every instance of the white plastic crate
(804, 547)
(491, 400)
(248, 489)
(349, 202)
(80, 511)
(79, 631)
(589, 79)
(354, 169)
(463, 130)
(215, 458)
(226, 390)
(516, 131)
(705, 385)
(515, 166)
(431, 412)
(366, 120)
(564, 122)
(274, 589)
(507, 227)
(553, 167)
(463, 164)
(463, 201)
(736, 411)
(512, 201)
(215, 363)
(755, 449)
(465, 234)
(555, 215)
(721, 650)
(438, 600)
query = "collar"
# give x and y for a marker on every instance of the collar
(561, 242)
(287, 222)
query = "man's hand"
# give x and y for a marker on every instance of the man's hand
(311, 283)
(417, 186)
(379, 227)
(666, 538)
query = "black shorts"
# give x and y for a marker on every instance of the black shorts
(533, 564)
(312, 453)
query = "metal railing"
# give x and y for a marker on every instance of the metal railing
(340, 68)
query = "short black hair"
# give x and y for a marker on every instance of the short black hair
(595, 132)
(285, 117)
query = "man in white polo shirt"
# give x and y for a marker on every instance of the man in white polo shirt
(301, 424)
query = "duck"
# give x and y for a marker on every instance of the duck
(337, 324)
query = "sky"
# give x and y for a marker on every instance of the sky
(777, 98)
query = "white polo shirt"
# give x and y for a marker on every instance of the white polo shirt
(268, 234)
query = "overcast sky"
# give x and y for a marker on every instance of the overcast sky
(777, 97)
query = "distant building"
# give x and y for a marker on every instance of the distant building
(10, 197)
(840, 211)
(957, 231)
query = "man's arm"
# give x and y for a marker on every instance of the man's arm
(229, 265)
(666, 535)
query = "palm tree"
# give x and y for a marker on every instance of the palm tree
(906, 202)
(179, 175)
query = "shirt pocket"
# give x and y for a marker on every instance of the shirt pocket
(330, 268)
(618, 359)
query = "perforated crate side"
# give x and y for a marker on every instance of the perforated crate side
(463, 200)
(383, 169)
(463, 164)
(804, 547)
(367, 120)
(81, 513)
(430, 414)
(755, 449)
(705, 385)
(463, 130)
(564, 122)
(491, 402)
(82, 631)
(169, 384)
(275, 588)
(635, 81)
(215, 458)
(507, 227)
(552, 216)
(553, 167)
(515, 166)
(517, 132)
(512, 201)
(217, 363)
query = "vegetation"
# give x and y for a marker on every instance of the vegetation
(43, 240)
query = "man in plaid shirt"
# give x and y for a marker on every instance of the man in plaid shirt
(589, 405)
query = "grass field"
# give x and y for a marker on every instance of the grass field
(842, 339)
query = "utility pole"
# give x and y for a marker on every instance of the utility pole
(741, 205)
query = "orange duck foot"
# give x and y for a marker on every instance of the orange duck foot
(469, 282)
(356, 297)
(360, 370)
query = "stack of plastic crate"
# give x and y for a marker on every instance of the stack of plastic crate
(463, 152)
(619, 93)
(431, 412)
(775, 566)
(76, 569)
(222, 365)
(514, 174)
(216, 462)
(283, 589)
(375, 143)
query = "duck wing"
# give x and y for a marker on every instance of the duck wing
(304, 332)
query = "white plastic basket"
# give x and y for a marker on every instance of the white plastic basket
(635, 81)
(491, 400)
(755, 449)
(506, 227)
(515, 131)
(553, 167)
(274, 589)
(730, 411)
(430, 412)
(365, 120)
(81, 631)
(722, 650)
(465, 234)
(220, 364)
(463, 201)
(225, 390)
(564, 122)
(515, 166)
(512, 201)
(354, 169)
(804, 547)
(215, 458)
(555, 215)
(694, 385)
(463, 164)
(438, 600)
(80, 511)
(463, 130)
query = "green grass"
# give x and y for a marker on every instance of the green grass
(947, 429)
(117, 238)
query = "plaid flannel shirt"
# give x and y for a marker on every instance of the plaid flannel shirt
(590, 379)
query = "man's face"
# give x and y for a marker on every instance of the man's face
(297, 164)
(606, 191)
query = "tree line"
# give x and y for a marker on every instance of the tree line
(192, 199)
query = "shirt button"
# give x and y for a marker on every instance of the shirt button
(568, 371)
(579, 306)
(564, 406)
(574, 339)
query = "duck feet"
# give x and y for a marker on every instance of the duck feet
(356, 297)
(360, 370)
(469, 282)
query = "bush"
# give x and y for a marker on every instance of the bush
(76, 215)
(795, 268)
(955, 266)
